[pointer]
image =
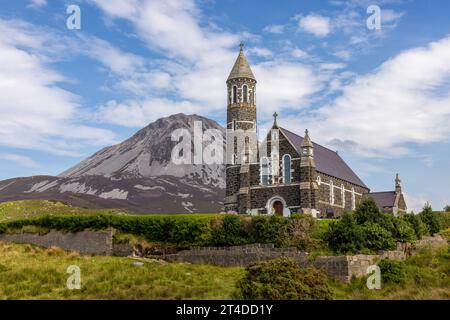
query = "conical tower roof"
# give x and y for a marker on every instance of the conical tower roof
(241, 68)
(306, 140)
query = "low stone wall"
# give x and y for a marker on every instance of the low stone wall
(344, 267)
(436, 241)
(90, 242)
(238, 255)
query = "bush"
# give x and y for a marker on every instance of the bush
(404, 231)
(283, 279)
(272, 229)
(300, 233)
(368, 211)
(230, 232)
(446, 234)
(376, 237)
(345, 235)
(416, 223)
(430, 219)
(392, 271)
(443, 219)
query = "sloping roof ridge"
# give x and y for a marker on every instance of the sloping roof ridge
(378, 192)
(315, 143)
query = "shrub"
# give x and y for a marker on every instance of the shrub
(443, 219)
(271, 229)
(300, 233)
(416, 223)
(392, 271)
(345, 235)
(430, 219)
(283, 279)
(368, 211)
(230, 232)
(446, 234)
(376, 237)
(404, 231)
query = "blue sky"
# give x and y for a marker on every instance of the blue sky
(379, 97)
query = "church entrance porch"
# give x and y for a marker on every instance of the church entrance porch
(277, 206)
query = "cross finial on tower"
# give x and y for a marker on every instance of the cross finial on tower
(241, 46)
(306, 132)
(275, 115)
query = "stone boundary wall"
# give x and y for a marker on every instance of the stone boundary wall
(90, 242)
(237, 255)
(340, 267)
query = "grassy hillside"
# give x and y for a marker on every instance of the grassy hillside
(24, 209)
(14, 210)
(28, 272)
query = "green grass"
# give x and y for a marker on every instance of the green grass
(29, 272)
(427, 277)
(25, 209)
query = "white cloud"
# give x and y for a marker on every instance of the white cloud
(20, 160)
(262, 52)
(315, 24)
(299, 53)
(38, 113)
(416, 202)
(134, 113)
(199, 59)
(37, 3)
(274, 28)
(406, 100)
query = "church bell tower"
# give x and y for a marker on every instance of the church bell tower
(241, 134)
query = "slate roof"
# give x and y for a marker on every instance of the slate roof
(327, 161)
(384, 199)
(241, 68)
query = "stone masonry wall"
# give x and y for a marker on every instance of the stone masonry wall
(90, 242)
(238, 255)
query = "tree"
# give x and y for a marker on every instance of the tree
(345, 235)
(447, 208)
(368, 211)
(429, 218)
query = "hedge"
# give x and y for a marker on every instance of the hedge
(184, 231)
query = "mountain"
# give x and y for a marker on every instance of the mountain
(137, 175)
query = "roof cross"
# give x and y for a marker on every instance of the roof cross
(241, 45)
(275, 115)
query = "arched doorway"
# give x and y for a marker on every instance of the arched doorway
(278, 208)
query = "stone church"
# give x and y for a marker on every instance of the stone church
(286, 173)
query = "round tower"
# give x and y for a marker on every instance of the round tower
(242, 145)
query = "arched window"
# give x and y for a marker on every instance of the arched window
(245, 93)
(331, 192)
(264, 171)
(286, 168)
(234, 94)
